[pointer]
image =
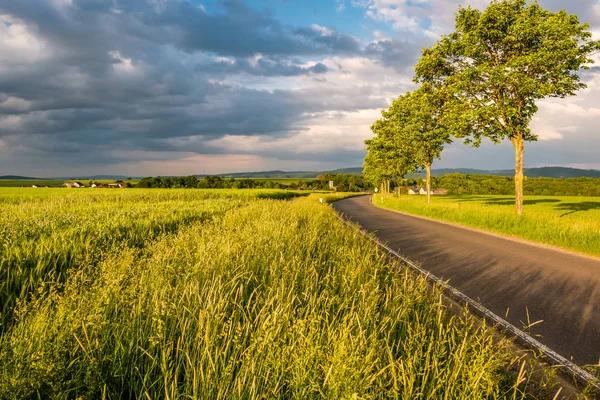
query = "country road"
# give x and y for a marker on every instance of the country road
(505, 276)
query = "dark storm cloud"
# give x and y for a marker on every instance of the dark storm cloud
(131, 74)
(261, 67)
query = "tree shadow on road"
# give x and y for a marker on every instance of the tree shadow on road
(572, 208)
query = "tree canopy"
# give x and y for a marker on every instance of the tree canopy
(498, 62)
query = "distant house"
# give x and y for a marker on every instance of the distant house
(423, 191)
(440, 191)
(34, 186)
(413, 191)
(74, 184)
(117, 185)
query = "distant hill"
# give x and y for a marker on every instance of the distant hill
(547, 172)
(560, 172)
(291, 174)
(542, 172)
(96, 177)
(17, 177)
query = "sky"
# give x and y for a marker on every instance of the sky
(179, 87)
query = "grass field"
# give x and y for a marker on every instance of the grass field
(569, 222)
(29, 182)
(174, 294)
(52, 183)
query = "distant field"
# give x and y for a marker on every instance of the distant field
(569, 222)
(244, 294)
(28, 183)
(51, 183)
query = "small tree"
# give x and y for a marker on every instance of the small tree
(498, 63)
(385, 159)
(421, 130)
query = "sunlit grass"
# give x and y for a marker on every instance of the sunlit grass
(569, 222)
(222, 294)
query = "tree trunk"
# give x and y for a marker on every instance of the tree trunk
(388, 186)
(519, 145)
(428, 182)
(382, 187)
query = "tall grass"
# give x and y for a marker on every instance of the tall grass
(266, 300)
(572, 223)
(42, 238)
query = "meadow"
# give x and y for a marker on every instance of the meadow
(223, 294)
(52, 183)
(572, 223)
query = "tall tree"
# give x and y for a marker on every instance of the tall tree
(422, 131)
(498, 62)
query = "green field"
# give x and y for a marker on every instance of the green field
(29, 182)
(572, 223)
(222, 294)
(52, 183)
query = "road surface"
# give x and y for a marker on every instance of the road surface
(507, 277)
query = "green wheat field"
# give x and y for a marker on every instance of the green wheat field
(572, 223)
(223, 294)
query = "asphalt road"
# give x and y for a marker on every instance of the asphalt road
(509, 278)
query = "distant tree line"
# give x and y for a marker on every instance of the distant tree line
(341, 183)
(458, 184)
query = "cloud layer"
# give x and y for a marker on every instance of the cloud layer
(124, 86)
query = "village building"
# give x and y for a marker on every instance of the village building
(73, 185)
(117, 185)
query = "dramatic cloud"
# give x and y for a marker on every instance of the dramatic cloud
(127, 86)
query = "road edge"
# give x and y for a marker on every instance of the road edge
(564, 366)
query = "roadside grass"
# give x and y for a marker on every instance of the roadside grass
(221, 294)
(572, 223)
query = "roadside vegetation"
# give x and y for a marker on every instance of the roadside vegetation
(223, 294)
(572, 223)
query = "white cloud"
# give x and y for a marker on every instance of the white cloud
(124, 64)
(19, 44)
(14, 104)
(324, 31)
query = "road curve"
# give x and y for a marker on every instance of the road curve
(509, 278)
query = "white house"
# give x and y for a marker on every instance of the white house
(411, 191)
(423, 191)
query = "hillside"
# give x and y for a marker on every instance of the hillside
(545, 172)
(17, 177)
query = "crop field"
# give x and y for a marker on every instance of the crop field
(174, 294)
(29, 182)
(572, 223)
(52, 183)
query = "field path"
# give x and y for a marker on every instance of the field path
(559, 288)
